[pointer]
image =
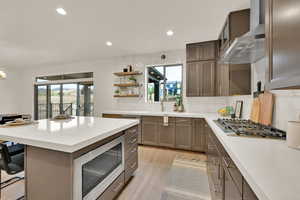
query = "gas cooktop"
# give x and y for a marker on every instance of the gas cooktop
(248, 128)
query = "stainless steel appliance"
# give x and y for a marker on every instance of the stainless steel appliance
(96, 170)
(250, 47)
(248, 128)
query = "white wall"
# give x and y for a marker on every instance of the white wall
(17, 89)
(104, 79)
(9, 91)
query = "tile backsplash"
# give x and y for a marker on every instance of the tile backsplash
(287, 102)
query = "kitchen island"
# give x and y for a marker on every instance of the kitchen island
(81, 158)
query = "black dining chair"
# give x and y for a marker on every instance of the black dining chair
(12, 162)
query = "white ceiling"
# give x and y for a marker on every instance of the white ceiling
(32, 33)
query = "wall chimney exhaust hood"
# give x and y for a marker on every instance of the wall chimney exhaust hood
(250, 47)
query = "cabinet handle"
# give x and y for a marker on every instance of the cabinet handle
(133, 165)
(133, 141)
(132, 131)
(134, 150)
(116, 189)
(227, 164)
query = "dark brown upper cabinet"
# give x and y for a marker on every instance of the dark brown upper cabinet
(233, 79)
(201, 51)
(200, 78)
(201, 69)
(237, 24)
(282, 36)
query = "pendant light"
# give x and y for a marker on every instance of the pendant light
(2, 75)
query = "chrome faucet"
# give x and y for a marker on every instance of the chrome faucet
(162, 105)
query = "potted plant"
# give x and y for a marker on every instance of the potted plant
(117, 92)
(132, 79)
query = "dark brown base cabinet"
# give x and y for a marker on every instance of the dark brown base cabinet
(180, 133)
(149, 131)
(199, 135)
(184, 131)
(227, 181)
(166, 135)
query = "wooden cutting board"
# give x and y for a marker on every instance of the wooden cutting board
(266, 108)
(255, 111)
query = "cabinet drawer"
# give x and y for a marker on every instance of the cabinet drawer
(131, 151)
(159, 119)
(130, 166)
(248, 193)
(236, 176)
(131, 140)
(184, 121)
(114, 189)
(131, 132)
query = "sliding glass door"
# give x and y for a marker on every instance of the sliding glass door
(68, 98)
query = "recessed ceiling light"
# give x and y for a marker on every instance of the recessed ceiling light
(170, 33)
(109, 43)
(2, 75)
(61, 11)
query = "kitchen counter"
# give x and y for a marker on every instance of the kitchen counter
(268, 165)
(169, 114)
(67, 135)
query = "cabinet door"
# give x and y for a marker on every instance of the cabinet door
(230, 190)
(240, 79)
(201, 51)
(193, 52)
(199, 140)
(209, 51)
(184, 136)
(223, 79)
(283, 36)
(166, 135)
(248, 193)
(208, 78)
(150, 133)
(193, 79)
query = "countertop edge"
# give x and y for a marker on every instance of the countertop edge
(68, 148)
(256, 189)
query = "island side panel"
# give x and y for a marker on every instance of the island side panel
(49, 174)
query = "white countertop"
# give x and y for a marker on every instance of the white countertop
(153, 113)
(269, 166)
(67, 136)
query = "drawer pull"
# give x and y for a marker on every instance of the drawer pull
(133, 165)
(133, 141)
(134, 150)
(227, 164)
(116, 189)
(132, 131)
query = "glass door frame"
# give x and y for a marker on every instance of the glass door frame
(86, 110)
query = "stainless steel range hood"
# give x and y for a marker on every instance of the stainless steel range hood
(250, 47)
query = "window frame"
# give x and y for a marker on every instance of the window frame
(164, 83)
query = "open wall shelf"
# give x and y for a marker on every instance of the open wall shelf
(127, 95)
(127, 73)
(126, 85)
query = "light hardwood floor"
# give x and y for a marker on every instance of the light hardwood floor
(151, 176)
(148, 182)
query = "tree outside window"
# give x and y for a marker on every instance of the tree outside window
(164, 82)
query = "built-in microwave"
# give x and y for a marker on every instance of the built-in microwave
(96, 170)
